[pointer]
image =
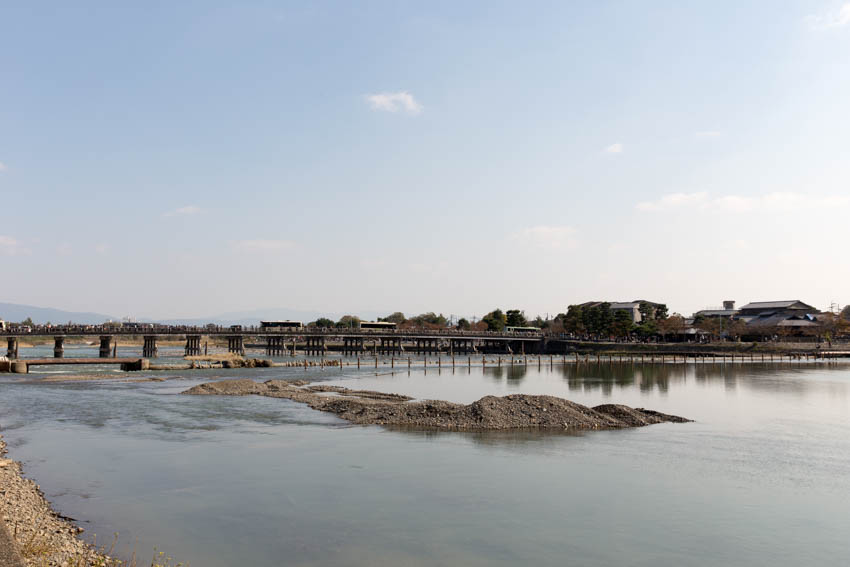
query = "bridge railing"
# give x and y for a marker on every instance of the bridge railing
(155, 329)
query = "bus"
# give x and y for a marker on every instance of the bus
(377, 326)
(281, 325)
(522, 330)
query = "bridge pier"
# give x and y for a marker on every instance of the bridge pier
(12, 349)
(58, 347)
(352, 345)
(193, 345)
(427, 346)
(315, 345)
(390, 345)
(149, 349)
(105, 346)
(235, 344)
(275, 346)
(464, 346)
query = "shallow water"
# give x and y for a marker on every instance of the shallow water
(760, 478)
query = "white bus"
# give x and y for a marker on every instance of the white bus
(377, 325)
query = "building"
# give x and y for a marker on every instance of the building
(765, 308)
(630, 307)
(2, 325)
(727, 312)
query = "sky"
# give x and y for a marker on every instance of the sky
(182, 159)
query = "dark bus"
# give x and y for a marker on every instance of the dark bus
(281, 325)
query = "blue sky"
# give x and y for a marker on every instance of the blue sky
(188, 158)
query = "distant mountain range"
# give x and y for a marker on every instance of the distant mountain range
(13, 312)
(40, 315)
(271, 314)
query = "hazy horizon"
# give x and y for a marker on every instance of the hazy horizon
(183, 160)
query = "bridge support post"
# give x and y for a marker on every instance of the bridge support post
(316, 345)
(105, 346)
(58, 347)
(235, 344)
(12, 348)
(149, 349)
(193, 345)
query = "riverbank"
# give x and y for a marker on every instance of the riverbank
(517, 411)
(701, 349)
(42, 536)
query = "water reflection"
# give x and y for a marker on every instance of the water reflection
(495, 438)
(760, 478)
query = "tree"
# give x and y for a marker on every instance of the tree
(599, 319)
(463, 324)
(736, 329)
(348, 322)
(429, 320)
(516, 318)
(573, 320)
(27, 322)
(713, 326)
(495, 320)
(322, 322)
(397, 318)
(622, 325)
(652, 311)
(670, 325)
(647, 329)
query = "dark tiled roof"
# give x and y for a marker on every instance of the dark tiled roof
(773, 304)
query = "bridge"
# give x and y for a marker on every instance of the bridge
(280, 341)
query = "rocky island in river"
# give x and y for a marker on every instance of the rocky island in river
(515, 411)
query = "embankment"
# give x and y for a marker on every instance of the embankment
(42, 537)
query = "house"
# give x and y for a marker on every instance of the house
(2, 325)
(791, 317)
(727, 312)
(790, 307)
(630, 307)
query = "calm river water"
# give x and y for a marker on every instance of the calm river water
(761, 478)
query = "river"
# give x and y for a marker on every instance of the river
(760, 478)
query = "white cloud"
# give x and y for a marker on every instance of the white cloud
(393, 102)
(261, 245)
(708, 134)
(64, 249)
(2, 166)
(11, 247)
(771, 202)
(832, 19)
(614, 148)
(673, 201)
(183, 211)
(548, 237)
(102, 248)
